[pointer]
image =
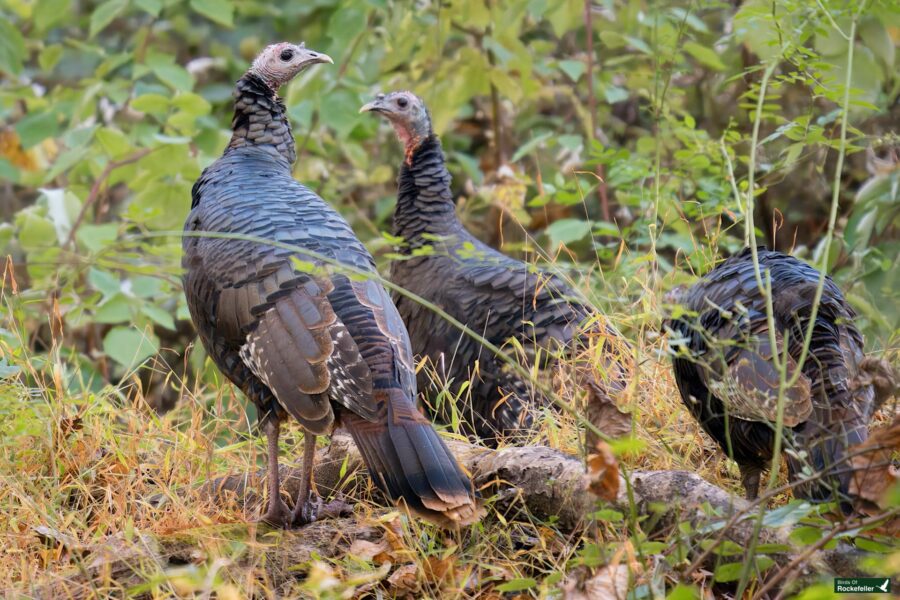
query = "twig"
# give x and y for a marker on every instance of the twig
(500, 156)
(768, 495)
(95, 189)
(813, 548)
(592, 107)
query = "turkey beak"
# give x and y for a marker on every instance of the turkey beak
(311, 57)
(376, 105)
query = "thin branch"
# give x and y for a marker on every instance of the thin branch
(95, 189)
(592, 107)
(801, 558)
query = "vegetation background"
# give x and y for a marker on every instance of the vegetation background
(620, 142)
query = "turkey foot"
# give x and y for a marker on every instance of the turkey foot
(338, 507)
(278, 515)
(306, 510)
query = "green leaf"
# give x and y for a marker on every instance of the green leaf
(573, 68)
(517, 585)
(191, 103)
(705, 56)
(788, 514)
(341, 112)
(175, 76)
(683, 592)
(143, 286)
(151, 103)
(614, 93)
(162, 205)
(116, 309)
(526, 148)
(158, 315)
(104, 281)
(151, 7)
(165, 69)
(875, 35)
(48, 13)
(49, 57)
(35, 231)
(97, 237)
(36, 127)
(8, 170)
(104, 14)
(220, 11)
(873, 546)
(566, 231)
(608, 515)
(12, 47)
(128, 346)
(7, 370)
(806, 535)
(728, 571)
(113, 142)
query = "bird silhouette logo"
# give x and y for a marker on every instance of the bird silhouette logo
(884, 586)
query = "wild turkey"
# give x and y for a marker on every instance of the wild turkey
(497, 296)
(723, 367)
(298, 338)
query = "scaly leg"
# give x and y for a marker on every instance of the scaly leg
(307, 506)
(750, 476)
(277, 512)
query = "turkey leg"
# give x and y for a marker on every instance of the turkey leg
(278, 510)
(750, 476)
(307, 506)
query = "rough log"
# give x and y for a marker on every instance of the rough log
(536, 480)
(547, 483)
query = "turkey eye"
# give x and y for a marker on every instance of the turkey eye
(287, 55)
(402, 102)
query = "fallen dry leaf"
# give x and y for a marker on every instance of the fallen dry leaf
(439, 570)
(603, 472)
(603, 413)
(610, 582)
(378, 552)
(873, 472)
(405, 580)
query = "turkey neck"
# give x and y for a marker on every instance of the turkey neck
(424, 202)
(260, 119)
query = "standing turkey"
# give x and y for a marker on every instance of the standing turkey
(723, 367)
(497, 296)
(311, 343)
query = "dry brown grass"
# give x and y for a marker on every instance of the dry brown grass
(92, 484)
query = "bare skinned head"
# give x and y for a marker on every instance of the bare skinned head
(407, 113)
(278, 63)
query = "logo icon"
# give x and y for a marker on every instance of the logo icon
(862, 585)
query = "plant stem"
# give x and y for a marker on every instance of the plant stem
(592, 107)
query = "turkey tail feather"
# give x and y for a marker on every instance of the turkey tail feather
(410, 463)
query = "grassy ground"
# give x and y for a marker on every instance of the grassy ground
(98, 488)
(79, 469)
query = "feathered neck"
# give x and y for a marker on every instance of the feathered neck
(259, 118)
(424, 200)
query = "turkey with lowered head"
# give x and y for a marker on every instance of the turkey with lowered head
(724, 368)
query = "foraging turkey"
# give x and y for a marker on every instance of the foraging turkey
(724, 370)
(497, 296)
(299, 337)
